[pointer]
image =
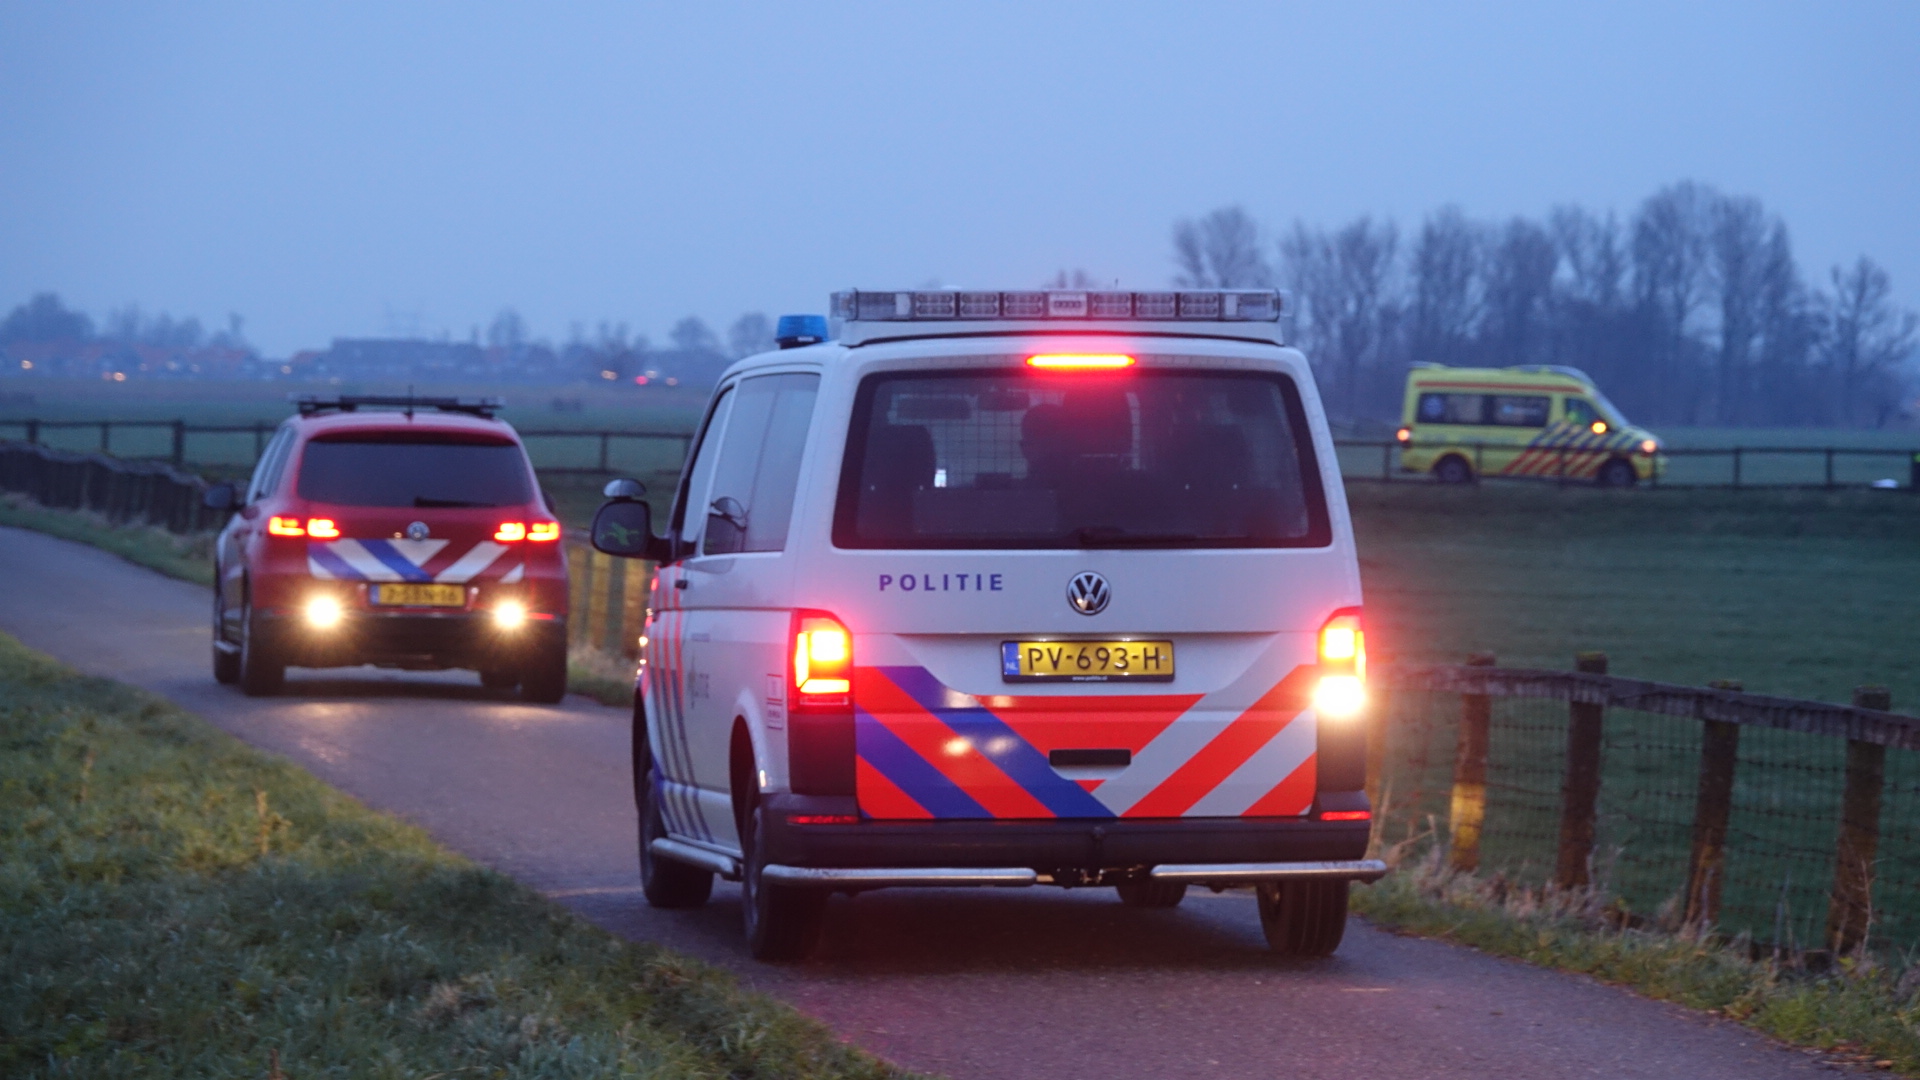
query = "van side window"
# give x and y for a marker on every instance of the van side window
(1577, 411)
(266, 475)
(1510, 410)
(1452, 409)
(693, 488)
(751, 502)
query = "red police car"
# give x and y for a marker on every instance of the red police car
(397, 531)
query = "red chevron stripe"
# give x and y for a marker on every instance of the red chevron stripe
(1290, 797)
(956, 758)
(1055, 723)
(881, 797)
(1228, 750)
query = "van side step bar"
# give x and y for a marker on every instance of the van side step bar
(1012, 876)
(1246, 873)
(725, 865)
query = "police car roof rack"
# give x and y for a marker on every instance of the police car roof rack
(311, 404)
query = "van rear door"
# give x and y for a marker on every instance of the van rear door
(1085, 595)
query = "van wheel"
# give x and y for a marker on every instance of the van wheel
(543, 679)
(263, 670)
(1616, 474)
(782, 922)
(1148, 893)
(1453, 469)
(1303, 918)
(666, 883)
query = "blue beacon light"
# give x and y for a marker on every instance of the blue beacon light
(793, 331)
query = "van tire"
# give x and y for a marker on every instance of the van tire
(1148, 893)
(1453, 469)
(665, 883)
(263, 670)
(1303, 918)
(783, 923)
(1616, 473)
(543, 676)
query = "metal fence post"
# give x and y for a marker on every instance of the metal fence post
(1469, 805)
(604, 436)
(1736, 467)
(1580, 791)
(33, 435)
(179, 442)
(1850, 911)
(106, 429)
(1829, 467)
(1713, 807)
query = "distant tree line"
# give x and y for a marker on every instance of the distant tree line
(63, 340)
(1693, 310)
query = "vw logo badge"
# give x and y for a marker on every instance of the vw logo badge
(417, 531)
(1088, 593)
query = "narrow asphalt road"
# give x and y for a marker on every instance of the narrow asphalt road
(1006, 984)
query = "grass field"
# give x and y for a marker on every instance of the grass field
(173, 903)
(1805, 594)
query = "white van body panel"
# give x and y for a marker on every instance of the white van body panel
(928, 624)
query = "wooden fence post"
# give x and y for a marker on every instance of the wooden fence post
(179, 442)
(1850, 910)
(1712, 809)
(1580, 791)
(1469, 807)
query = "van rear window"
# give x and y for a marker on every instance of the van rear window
(1165, 459)
(413, 473)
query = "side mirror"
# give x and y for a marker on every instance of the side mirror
(624, 527)
(221, 496)
(624, 488)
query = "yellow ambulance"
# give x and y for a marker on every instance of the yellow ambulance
(1535, 421)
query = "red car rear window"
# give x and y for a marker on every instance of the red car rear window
(382, 471)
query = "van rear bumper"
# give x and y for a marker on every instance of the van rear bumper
(1217, 845)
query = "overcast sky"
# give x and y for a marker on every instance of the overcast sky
(344, 169)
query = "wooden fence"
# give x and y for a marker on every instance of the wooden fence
(1698, 805)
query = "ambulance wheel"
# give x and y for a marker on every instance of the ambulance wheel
(499, 678)
(1453, 469)
(666, 883)
(1303, 918)
(782, 922)
(1149, 893)
(1616, 474)
(543, 676)
(263, 670)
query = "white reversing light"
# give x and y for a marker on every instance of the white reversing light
(324, 612)
(509, 614)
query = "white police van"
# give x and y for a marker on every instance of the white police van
(1006, 588)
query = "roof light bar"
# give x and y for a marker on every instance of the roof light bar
(1206, 305)
(1080, 361)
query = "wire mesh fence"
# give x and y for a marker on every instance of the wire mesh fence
(1772, 852)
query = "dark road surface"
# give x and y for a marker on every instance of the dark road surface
(1015, 984)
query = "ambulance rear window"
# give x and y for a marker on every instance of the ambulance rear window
(1151, 459)
(424, 474)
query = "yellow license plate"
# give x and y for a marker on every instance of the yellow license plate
(417, 595)
(1086, 661)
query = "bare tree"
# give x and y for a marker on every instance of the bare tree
(1737, 260)
(1594, 256)
(692, 334)
(1220, 251)
(1344, 282)
(1669, 276)
(1520, 274)
(751, 333)
(1868, 340)
(1447, 288)
(508, 330)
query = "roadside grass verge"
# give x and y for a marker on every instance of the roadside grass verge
(1862, 1011)
(174, 903)
(189, 558)
(603, 676)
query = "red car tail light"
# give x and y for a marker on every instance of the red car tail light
(324, 528)
(285, 526)
(511, 532)
(822, 661)
(541, 532)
